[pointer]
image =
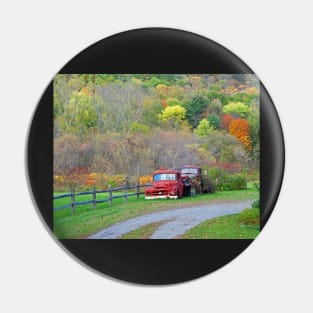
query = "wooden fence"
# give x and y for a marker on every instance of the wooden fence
(72, 195)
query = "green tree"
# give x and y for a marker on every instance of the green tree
(204, 128)
(214, 95)
(194, 108)
(80, 114)
(151, 112)
(214, 120)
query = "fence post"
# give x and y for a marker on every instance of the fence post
(73, 200)
(137, 189)
(125, 192)
(94, 197)
(110, 194)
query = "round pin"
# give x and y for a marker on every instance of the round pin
(155, 156)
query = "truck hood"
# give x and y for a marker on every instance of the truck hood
(163, 184)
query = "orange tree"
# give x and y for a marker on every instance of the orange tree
(241, 130)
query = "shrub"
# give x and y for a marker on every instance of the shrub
(216, 172)
(91, 179)
(220, 169)
(88, 180)
(137, 128)
(143, 180)
(232, 182)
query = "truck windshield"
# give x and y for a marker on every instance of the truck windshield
(189, 171)
(158, 177)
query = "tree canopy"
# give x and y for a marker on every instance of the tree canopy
(134, 123)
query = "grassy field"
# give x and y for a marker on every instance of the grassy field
(236, 226)
(87, 221)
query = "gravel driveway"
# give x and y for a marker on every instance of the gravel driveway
(179, 220)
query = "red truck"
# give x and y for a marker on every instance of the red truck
(174, 184)
(166, 184)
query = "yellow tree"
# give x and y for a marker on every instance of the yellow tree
(173, 115)
(237, 109)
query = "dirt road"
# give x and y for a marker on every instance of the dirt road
(178, 220)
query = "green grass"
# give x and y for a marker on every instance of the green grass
(144, 232)
(87, 221)
(244, 225)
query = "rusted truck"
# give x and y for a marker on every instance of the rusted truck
(167, 184)
(200, 183)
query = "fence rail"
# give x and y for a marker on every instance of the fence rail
(72, 195)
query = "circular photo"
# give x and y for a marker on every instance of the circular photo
(155, 156)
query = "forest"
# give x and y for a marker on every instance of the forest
(112, 128)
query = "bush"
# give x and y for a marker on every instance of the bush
(232, 182)
(143, 180)
(216, 172)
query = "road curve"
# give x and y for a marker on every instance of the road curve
(179, 220)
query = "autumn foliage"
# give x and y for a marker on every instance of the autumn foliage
(226, 120)
(240, 129)
(84, 180)
(143, 180)
(163, 102)
(110, 129)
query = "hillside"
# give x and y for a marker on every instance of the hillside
(113, 127)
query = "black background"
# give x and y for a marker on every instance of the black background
(154, 51)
